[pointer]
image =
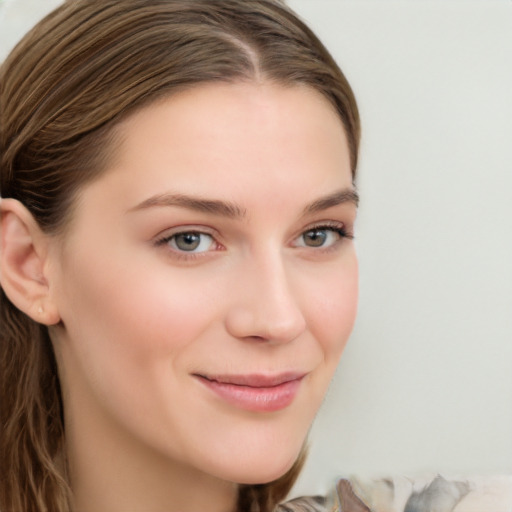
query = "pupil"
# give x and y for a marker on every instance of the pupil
(188, 241)
(315, 238)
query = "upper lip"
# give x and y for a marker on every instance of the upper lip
(254, 380)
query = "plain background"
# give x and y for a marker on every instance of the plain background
(425, 384)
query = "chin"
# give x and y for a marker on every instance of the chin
(265, 476)
(263, 469)
(254, 450)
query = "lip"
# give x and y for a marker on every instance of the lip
(255, 392)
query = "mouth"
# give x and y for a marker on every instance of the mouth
(255, 392)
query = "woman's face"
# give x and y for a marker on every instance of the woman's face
(208, 282)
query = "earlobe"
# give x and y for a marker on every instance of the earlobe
(23, 253)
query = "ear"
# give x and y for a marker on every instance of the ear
(23, 255)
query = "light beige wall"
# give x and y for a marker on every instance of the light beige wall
(17, 16)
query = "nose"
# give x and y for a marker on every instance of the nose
(263, 305)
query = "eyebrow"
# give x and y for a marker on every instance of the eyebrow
(199, 204)
(234, 211)
(340, 197)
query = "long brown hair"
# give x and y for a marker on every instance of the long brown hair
(63, 90)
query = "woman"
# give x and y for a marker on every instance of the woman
(178, 275)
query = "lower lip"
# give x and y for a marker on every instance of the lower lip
(257, 399)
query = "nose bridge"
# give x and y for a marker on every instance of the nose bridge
(265, 306)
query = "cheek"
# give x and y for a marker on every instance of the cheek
(333, 306)
(161, 315)
(127, 328)
(130, 335)
(139, 310)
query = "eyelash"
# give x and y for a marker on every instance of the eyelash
(335, 227)
(185, 255)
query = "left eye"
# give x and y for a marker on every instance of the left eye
(190, 241)
(319, 237)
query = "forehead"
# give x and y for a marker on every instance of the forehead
(217, 140)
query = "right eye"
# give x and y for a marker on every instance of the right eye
(189, 242)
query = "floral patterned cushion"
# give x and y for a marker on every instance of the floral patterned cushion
(434, 493)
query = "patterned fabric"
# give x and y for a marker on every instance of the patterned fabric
(309, 504)
(404, 494)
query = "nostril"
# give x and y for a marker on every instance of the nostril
(257, 338)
